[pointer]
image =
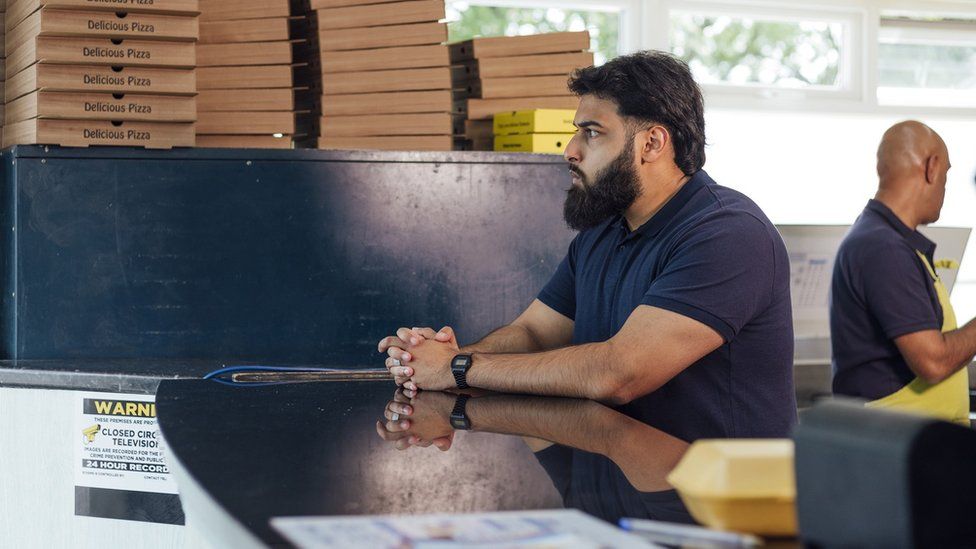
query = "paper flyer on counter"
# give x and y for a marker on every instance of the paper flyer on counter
(510, 529)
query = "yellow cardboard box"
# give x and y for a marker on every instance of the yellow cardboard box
(553, 143)
(534, 121)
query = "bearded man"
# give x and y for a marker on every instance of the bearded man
(673, 302)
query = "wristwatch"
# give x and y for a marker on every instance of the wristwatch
(460, 365)
(459, 419)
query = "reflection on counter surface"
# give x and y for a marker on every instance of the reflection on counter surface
(244, 454)
(601, 461)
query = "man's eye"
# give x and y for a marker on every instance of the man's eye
(591, 133)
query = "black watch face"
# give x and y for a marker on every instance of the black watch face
(461, 361)
(460, 423)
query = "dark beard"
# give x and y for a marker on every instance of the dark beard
(615, 189)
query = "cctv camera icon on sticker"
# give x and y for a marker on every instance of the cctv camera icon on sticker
(90, 433)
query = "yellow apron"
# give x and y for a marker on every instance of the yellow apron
(947, 400)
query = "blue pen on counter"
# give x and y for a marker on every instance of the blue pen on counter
(684, 535)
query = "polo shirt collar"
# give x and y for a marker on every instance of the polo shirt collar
(915, 239)
(659, 220)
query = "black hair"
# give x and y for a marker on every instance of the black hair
(653, 87)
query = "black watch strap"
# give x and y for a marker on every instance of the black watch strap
(460, 365)
(459, 415)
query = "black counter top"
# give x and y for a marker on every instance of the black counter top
(244, 454)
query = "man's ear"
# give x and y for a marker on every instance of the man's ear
(653, 142)
(932, 169)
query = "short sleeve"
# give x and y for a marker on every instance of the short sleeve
(895, 287)
(720, 273)
(559, 293)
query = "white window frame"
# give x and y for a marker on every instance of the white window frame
(852, 84)
(864, 16)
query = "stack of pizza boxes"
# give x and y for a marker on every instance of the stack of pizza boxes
(386, 80)
(512, 73)
(88, 72)
(251, 59)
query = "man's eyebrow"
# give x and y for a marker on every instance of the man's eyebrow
(587, 124)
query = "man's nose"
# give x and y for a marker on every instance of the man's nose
(572, 152)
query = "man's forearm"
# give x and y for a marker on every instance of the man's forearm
(961, 346)
(583, 371)
(935, 356)
(512, 338)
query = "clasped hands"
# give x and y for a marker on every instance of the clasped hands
(420, 358)
(419, 419)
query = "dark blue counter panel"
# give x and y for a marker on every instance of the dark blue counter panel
(284, 256)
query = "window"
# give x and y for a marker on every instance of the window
(766, 50)
(840, 55)
(468, 20)
(927, 61)
(725, 49)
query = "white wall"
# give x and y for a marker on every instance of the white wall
(37, 483)
(819, 168)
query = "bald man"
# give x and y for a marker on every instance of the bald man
(894, 335)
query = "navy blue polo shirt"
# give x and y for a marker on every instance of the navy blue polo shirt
(880, 290)
(712, 255)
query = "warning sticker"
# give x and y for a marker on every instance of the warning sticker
(119, 446)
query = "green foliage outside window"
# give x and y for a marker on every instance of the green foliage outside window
(746, 51)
